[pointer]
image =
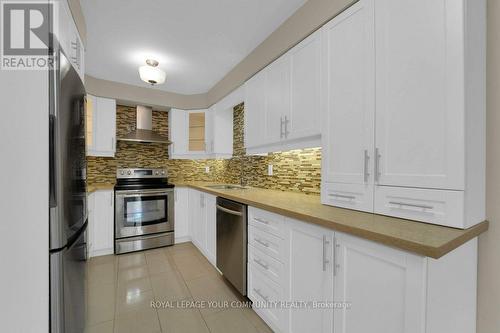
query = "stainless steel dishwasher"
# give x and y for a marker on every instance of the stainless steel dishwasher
(232, 242)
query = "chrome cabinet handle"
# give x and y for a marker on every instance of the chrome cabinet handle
(261, 242)
(366, 173)
(377, 165)
(286, 126)
(325, 261)
(281, 127)
(336, 247)
(260, 263)
(410, 205)
(111, 199)
(260, 220)
(352, 197)
(257, 291)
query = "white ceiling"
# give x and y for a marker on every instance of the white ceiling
(197, 42)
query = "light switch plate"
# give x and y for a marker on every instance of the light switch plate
(207, 169)
(269, 169)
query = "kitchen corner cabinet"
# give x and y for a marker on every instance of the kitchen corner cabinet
(100, 126)
(282, 102)
(404, 110)
(101, 223)
(201, 134)
(368, 287)
(187, 132)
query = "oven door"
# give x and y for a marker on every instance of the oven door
(140, 212)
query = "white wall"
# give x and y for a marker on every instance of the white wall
(489, 243)
(24, 244)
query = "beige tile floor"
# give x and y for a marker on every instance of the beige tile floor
(121, 290)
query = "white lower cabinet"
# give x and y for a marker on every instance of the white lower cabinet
(310, 276)
(364, 286)
(202, 223)
(211, 217)
(101, 218)
(181, 213)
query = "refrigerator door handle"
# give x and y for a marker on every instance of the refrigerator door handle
(52, 162)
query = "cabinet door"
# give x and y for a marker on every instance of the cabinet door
(310, 275)
(278, 99)
(178, 132)
(102, 224)
(255, 108)
(348, 49)
(181, 212)
(383, 288)
(420, 96)
(105, 127)
(303, 119)
(194, 216)
(210, 131)
(211, 218)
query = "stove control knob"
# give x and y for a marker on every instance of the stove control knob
(163, 173)
(129, 173)
(157, 173)
(121, 172)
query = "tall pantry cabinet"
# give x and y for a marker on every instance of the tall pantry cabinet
(404, 104)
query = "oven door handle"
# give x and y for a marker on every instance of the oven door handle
(127, 194)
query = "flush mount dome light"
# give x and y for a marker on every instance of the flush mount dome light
(151, 74)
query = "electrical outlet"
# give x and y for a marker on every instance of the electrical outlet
(207, 169)
(269, 169)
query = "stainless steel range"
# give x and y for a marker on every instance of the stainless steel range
(144, 210)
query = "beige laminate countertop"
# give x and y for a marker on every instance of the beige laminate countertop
(100, 186)
(421, 238)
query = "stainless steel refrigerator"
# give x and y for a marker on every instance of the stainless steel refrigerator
(68, 203)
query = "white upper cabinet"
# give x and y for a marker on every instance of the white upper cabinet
(348, 62)
(404, 110)
(278, 100)
(282, 101)
(420, 93)
(255, 108)
(100, 126)
(204, 133)
(69, 38)
(303, 118)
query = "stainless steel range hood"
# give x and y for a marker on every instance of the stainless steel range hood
(144, 132)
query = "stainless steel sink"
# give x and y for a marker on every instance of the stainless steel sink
(227, 187)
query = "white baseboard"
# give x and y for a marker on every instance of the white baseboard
(182, 239)
(102, 252)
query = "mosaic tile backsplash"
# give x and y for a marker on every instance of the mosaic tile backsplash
(297, 170)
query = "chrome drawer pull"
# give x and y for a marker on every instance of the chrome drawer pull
(257, 291)
(260, 263)
(325, 261)
(366, 174)
(261, 242)
(260, 220)
(410, 205)
(352, 197)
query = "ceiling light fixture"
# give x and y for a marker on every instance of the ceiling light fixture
(151, 74)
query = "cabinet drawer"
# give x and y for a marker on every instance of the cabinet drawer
(267, 265)
(267, 243)
(352, 196)
(432, 206)
(267, 221)
(263, 292)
